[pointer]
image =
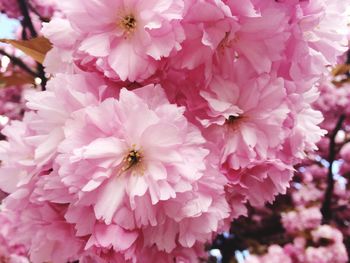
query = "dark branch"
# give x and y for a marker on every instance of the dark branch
(348, 57)
(27, 23)
(42, 76)
(326, 206)
(42, 19)
(18, 62)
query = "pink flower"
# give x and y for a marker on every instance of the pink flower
(260, 182)
(126, 38)
(164, 120)
(250, 124)
(260, 38)
(306, 194)
(44, 231)
(150, 168)
(302, 124)
(331, 247)
(301, 219)
(32, 144)
(16, 155)
(345, 155)
(11, 104)
(327, 232)
(275, 254)
(206, 23)
(319, 36)
(43, 7)
(11, 251)
(10, 8)
(61, 34)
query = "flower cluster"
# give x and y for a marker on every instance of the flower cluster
(10, 250)
(311, 222)
(162, 121)
(294, 226)
(327, 246)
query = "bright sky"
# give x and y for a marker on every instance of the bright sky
(7, 27)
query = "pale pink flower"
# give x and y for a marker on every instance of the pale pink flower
(319, 36)
(302, 122)
(43, 7)
(247, 125)
(327, 232)
(16, 154)
(10, 8)
(301, 219)
(44, 231)
(65, 94)
(206, 24)
(259, 182)
(10, 250)
(275, 254)
(11, 104)
(331, 247)
(32, 144)
(63, 37)
(345, 155)
(306, 194)
(259, 38)
(138, 158)
(214, 113)
(126, 38)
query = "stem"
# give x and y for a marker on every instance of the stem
(18, 62)
(42, 19)
(348, 57)
(42, 76)
(27, 23)
(326, 206)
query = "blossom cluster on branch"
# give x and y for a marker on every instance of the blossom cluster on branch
(311, 222)
(162, 121)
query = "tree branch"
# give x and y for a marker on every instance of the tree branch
(27, 23)
(18, 62)
(326, 206)
(43, 19)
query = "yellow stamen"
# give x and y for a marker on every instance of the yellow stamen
(128, 23)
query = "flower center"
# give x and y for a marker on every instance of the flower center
(128, 23)
(232, 119)
(134, 157)
(133, 161)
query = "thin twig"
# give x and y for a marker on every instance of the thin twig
(42, 19)
(326, 206)
(18, 62)
(26, 17)
(27, 23)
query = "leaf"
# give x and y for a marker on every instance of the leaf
(16, 79)
(36, 48)
(340, 69)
